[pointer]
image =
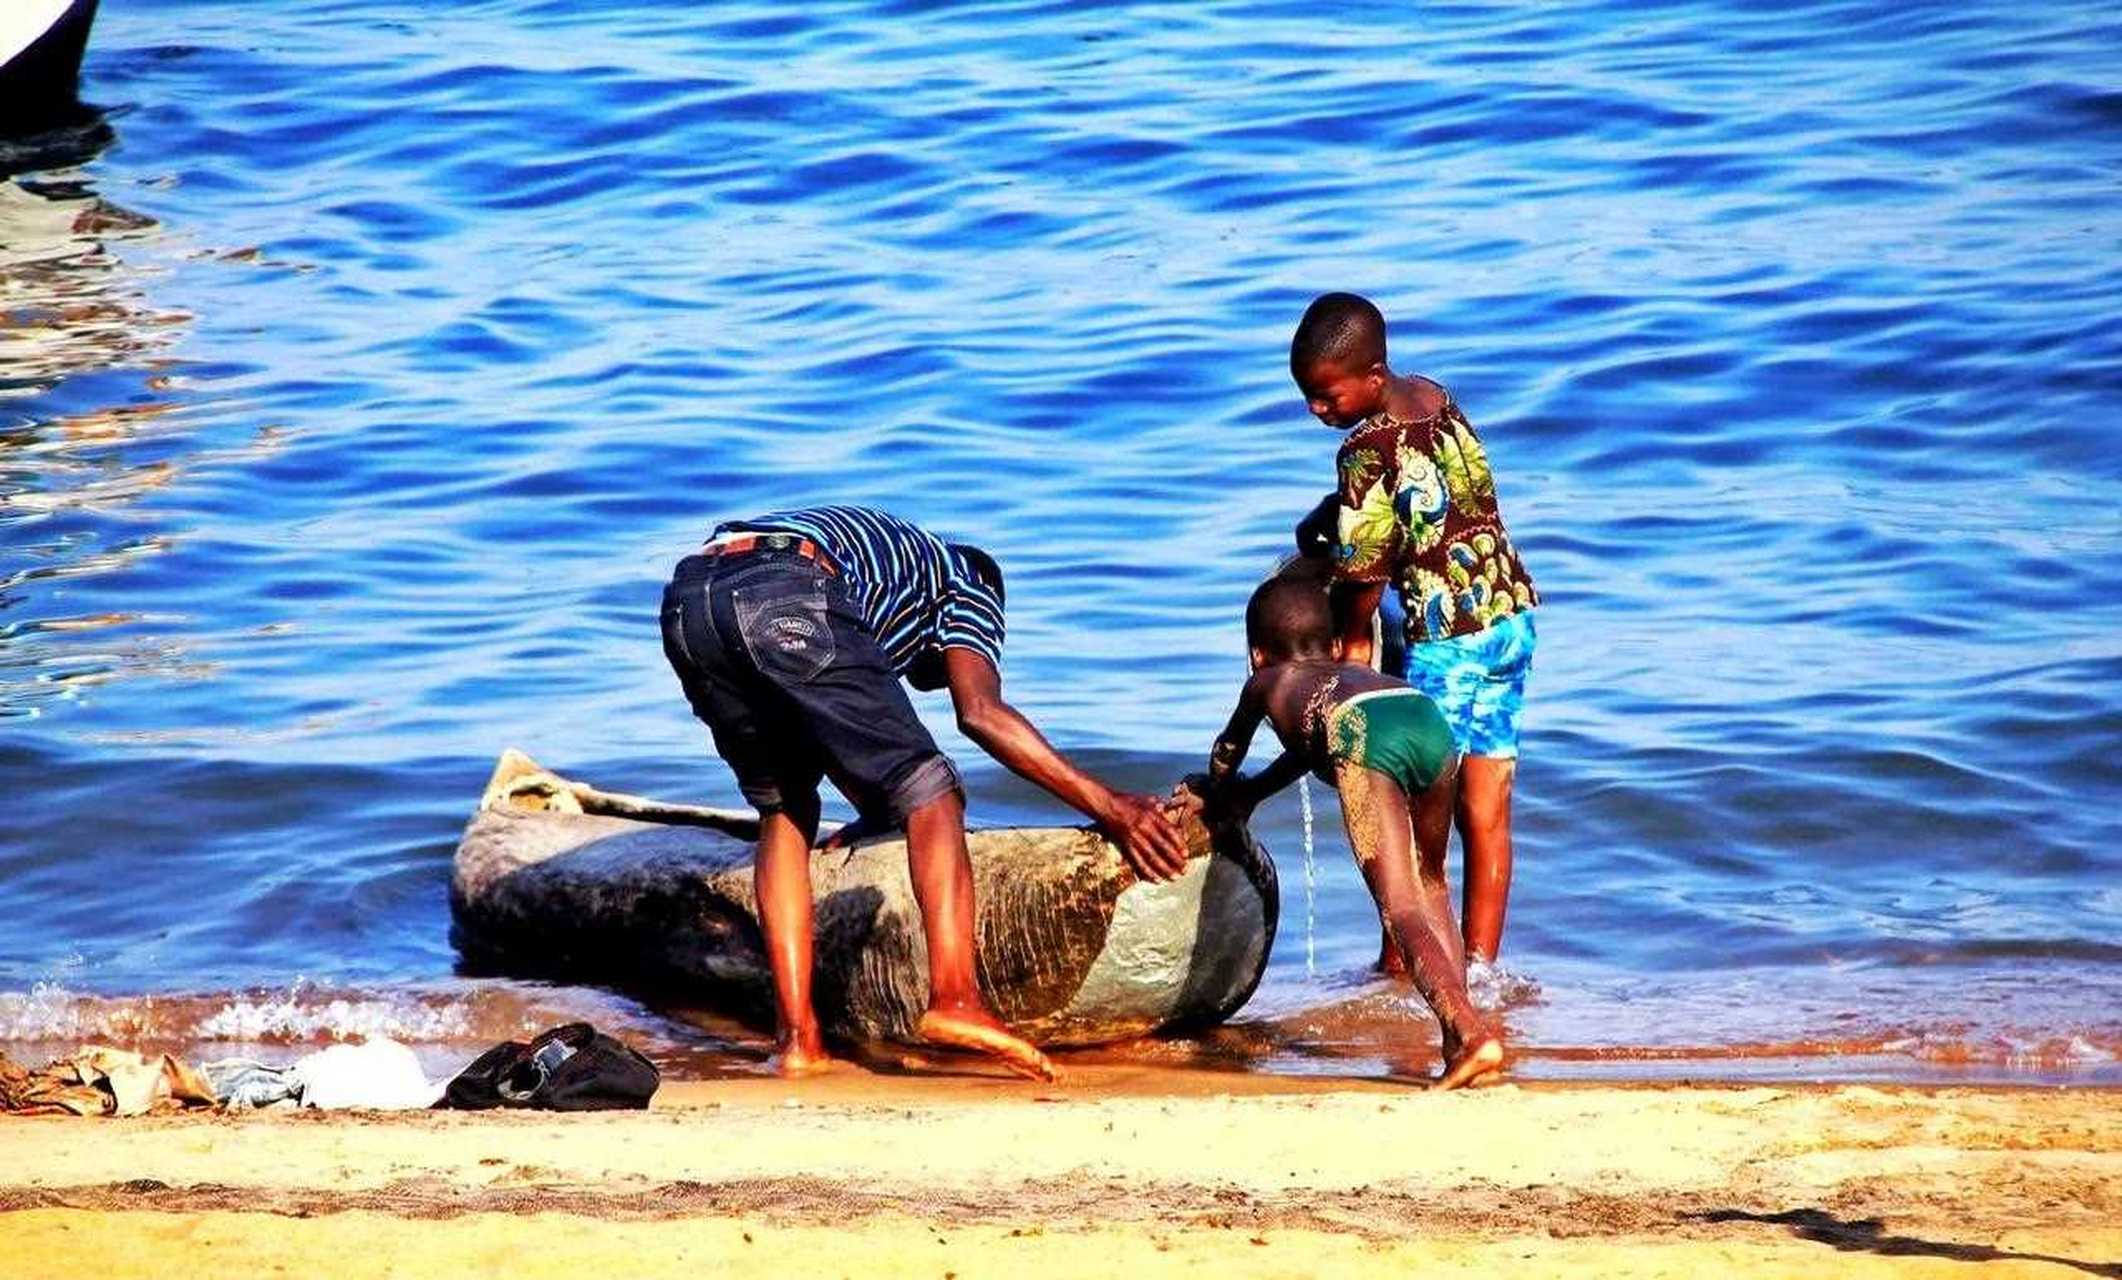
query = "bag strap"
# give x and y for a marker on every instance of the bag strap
(543, 1062)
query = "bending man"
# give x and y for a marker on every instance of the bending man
(790, 633)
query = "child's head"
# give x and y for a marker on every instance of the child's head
(1288, 619)
(1338, 359)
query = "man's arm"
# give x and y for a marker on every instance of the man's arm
(1138, 824)
(1355, 605)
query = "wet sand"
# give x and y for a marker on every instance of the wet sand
(1123, 1171)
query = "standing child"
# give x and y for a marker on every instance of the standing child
(1418, 509)
(1389, 753)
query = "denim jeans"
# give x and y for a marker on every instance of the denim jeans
(776, 660)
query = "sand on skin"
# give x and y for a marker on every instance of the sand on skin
(1122, 1171)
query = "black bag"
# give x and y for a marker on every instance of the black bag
(570, 1068)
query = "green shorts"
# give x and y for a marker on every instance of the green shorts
(1398, 732)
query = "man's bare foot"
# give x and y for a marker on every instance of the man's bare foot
(979, 1032)
(796, 1059)
(1478, 1060)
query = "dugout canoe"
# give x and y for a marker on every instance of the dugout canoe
(559, 880)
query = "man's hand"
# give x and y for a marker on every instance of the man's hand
(1146, 836)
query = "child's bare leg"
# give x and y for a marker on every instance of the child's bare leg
(1433, 829)
(1381, 831)
(943, 883)
(1484, 833)
(781, 882)
(1390, 962)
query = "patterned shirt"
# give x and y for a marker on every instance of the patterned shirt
(909, 586)
(1418, 509)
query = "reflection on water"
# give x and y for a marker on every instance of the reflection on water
(66, 146)
(68, 302)
(71, 307)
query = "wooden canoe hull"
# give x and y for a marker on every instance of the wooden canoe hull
(1072, 948)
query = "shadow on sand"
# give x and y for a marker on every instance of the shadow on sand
(1868, 1235)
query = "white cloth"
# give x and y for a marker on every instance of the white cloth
(377, 1075)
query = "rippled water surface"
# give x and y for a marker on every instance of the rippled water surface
(363, 374)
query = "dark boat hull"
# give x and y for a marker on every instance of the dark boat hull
(40, 83)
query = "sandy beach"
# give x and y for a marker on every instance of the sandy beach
(1121, 1171)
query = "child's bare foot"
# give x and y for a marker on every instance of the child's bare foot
(981, 1033)
(1476, 1060)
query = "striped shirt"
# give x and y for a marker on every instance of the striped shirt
(909, 586)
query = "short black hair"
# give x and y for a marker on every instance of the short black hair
(1288, 617)
(1341, 329)
(983, 566)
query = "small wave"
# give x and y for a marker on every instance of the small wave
(1750, 1029)
(289, 1019)
(1495, 988)
(303, 1014)
(1949, 1046)
(2026, 1052)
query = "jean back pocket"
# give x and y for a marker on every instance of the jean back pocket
(785, 629)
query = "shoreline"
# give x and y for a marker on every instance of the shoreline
(1122, 1170)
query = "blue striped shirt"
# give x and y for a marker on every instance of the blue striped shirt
(909, 586)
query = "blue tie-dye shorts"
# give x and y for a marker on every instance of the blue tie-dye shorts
(1478, 682)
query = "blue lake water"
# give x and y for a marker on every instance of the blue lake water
(360, 386)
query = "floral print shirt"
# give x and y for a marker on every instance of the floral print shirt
(1418, 510)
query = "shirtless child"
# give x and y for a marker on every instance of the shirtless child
(1388, 751)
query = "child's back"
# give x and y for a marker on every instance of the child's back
(1339, 713)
